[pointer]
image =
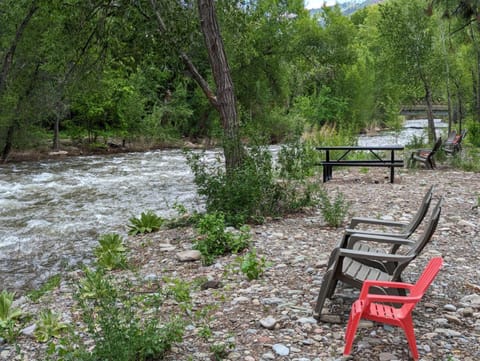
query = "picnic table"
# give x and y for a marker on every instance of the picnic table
(376, 161)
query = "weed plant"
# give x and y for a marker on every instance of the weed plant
(215, 241)
(52, 283)
(252, 266)
(48, 326)
(110, 253)
(123, 326)
(147, 222)
(333, 211)
(8, 316)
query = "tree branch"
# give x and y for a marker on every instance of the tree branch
(162, 29)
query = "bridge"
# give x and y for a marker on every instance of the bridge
(420, 110)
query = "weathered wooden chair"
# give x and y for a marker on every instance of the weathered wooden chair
(393, 228)
(426, 156)
(379, 308)
(454, 145)
(353, 266)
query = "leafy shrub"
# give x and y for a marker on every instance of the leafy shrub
(473, 134)
(297, 160)
(48, 326)
(333, 212)
(147, 223)
(250, 192)
(111, 252)
(215, 241)
(8, 316)
(252, 266)
(120, 325)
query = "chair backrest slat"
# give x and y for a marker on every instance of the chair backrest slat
(422, 211)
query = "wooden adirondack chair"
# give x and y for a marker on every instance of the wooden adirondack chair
(395, 229)
(454, 145)
(354, 266)
(379, 308)
(426, 156)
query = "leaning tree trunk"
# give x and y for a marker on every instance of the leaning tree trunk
(226, 102)
(224, 99)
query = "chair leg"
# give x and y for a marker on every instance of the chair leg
(407, 326)
(353, 321)
(324, 290)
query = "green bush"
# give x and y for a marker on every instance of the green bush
(473, 132)
(119, 323)
(333, 212)
(250, 192)
(252, 266)
(215, 241)
(111, 252)
(147, 223)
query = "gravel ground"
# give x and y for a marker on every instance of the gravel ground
(271, 318)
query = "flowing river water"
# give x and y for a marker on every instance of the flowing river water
(52, 212)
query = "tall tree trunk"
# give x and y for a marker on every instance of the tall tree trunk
(224, 99)
(432, 136)
(226, 102)
(8, 143)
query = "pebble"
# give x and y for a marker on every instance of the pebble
(281, 350)
(268, 323)
(450, 307)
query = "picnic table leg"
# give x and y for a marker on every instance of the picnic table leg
(328, 169)
(392, 168)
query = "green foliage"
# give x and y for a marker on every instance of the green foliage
(220, 351)
(147, 223)
(111, 252)
(8, 316)
(52, 283)
(215, 241)
(251, 192)
(473, 135)
(120, 325)
(333, 212)
(48, 326)
(178, 289)
(297, 160)
(252, 266)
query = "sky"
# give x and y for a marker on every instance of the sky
(316, 4)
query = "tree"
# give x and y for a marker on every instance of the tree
(408, 42)
(224, 99)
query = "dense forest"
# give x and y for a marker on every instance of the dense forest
(99, 72)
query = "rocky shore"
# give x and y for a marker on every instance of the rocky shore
(271, 318)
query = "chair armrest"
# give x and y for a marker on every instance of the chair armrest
(375, 233)
(343, 252)
(384, 284)
(356, 237)
(380, 222)
(371, 297)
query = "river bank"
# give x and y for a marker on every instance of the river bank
(447, 321)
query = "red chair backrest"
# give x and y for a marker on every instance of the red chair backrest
(427, 277)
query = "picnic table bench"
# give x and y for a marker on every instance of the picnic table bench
(377, 160)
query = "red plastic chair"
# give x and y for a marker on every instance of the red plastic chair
(378, 308)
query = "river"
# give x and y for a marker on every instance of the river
(52, 212)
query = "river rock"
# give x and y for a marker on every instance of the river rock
(189, 256)
(268, 322)
(281, 349)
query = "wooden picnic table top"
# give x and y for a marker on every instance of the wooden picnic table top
(362, 147)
